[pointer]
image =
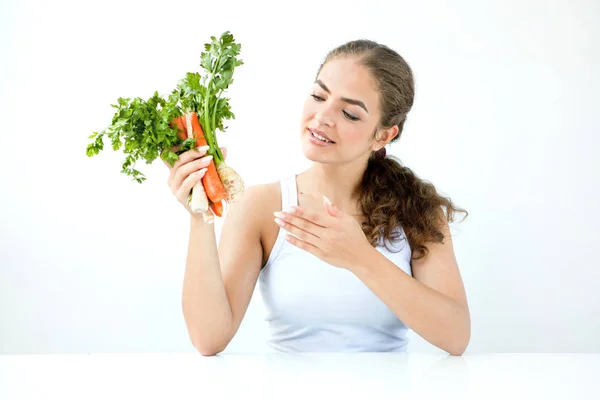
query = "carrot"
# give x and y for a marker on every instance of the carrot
(197, 200)
(179, 122)
(200, 98)
(213, 186)
(212, 182)
(217, 208)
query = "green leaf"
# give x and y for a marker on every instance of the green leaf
(206, 59)
(219, 60)
(141, 128)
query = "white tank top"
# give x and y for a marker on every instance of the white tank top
(313, 306)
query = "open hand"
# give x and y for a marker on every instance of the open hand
(326, 232)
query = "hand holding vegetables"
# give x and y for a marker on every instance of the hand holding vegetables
(188, 119)
(187, 172)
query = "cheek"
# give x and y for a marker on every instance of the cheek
(353, 133)
(309, 109)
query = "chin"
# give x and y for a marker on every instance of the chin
(312, 152)
(310, 155)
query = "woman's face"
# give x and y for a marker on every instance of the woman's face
(343, 106)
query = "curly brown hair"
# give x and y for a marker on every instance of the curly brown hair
(391, 194)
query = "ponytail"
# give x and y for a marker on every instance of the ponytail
(393, 196)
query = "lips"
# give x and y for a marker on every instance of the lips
(321, 133)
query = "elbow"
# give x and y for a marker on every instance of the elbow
(460, 346)
(209, 351)
(209, 348)
(209, 340)
(458, 351)
(462, 339)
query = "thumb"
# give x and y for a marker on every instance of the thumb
(331, 209)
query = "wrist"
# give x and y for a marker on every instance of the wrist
(364, 260)
(197, 220)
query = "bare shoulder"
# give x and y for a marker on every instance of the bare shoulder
(252, 216)
(258, 201)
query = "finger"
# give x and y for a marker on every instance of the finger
(319, 219)
(175, 149)
(185, 158)
(332, 209)
(224, 152)
(190, 155)
(298, 232)
(187, 185)
(185, 170)
(306, 246)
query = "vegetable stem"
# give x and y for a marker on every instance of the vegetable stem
(208, 125)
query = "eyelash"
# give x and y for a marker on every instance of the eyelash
(346, 114)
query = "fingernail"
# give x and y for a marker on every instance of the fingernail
(202, 171)
(207, 158)
(203, 148)
(327, 200)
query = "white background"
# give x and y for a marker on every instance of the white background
(505, 122)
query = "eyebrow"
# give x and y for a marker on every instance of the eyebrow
(345, 99)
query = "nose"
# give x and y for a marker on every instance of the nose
(324, 117)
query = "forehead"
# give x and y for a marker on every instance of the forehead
(345, 78)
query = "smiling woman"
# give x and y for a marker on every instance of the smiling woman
(351, 253)
(390, 194)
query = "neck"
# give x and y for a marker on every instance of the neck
(338, 182)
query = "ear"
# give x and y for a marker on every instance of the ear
(385, 136)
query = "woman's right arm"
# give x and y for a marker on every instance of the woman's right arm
(218, 284)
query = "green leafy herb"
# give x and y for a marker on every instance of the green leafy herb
(204, 94)
(142, 128)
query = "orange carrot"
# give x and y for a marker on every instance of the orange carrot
(213, 186)
(179, 122)
(217, 208)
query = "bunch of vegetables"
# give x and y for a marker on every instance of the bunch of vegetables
(188, 117)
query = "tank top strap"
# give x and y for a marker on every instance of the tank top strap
(289, 197)
(289, 192)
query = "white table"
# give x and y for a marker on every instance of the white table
(300, 376)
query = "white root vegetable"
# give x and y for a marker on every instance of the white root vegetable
(198, 202)
(208, 216)
(234, 185)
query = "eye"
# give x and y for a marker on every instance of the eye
(350, 116)
(317, 98)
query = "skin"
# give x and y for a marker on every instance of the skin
(332, 233)
(337, 170)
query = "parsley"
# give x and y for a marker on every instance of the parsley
(204, 94)
(142, 127)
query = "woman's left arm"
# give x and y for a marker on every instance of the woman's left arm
(432, 302)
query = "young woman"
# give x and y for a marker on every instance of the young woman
(350, 253)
